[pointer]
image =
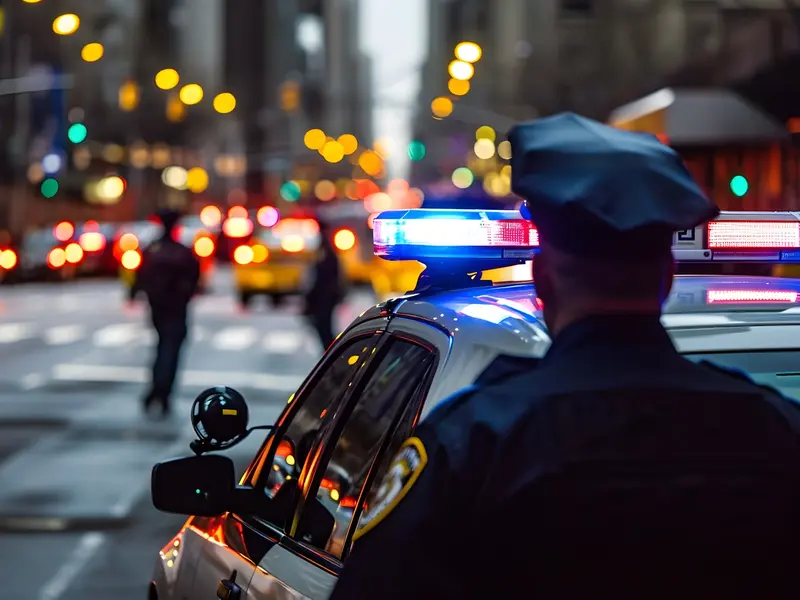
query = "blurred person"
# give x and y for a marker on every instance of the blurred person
(169, 276)
(614, 466)
(327, 289)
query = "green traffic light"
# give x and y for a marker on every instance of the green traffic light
(77, 133)
(416, 151)
(290, 191)
(739, 186)
(49, 188)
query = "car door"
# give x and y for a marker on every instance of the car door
(377, 416)
(232, 542)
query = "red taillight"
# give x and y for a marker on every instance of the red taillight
(237, 227)
(131, 260)
(733, 235)
(243, 255)
(8, 259)
(56, 258)
(63, 231)
(204, 247)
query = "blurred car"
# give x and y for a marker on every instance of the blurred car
(275, 261)
(96, 241)
(42, 257)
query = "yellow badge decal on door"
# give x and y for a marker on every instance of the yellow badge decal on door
(406, 468)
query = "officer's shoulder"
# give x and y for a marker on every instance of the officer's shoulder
(740, 376)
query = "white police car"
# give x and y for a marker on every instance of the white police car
(286, 529)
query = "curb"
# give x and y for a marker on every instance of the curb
(56, 524)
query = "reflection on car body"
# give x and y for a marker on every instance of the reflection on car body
(308, 485)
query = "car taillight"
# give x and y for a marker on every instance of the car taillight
(92, 241)
(344, 239)
(8, 259)
(243, 255)
(204, 247)
(131, 260)
(56, 258)
(260, 253)
(73, 253)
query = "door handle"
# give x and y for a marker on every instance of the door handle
(227, 589)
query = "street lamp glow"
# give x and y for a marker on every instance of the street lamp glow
(92, 52)
(224, 103)
(468, 52)
(66, 24)
(191, 94)
(442, 107)
(166, 79)
(461, 70)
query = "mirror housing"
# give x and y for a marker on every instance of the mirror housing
(202, 486)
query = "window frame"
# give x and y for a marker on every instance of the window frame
(327, 445)
(266, 453)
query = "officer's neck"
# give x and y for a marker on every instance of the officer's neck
(568, 315)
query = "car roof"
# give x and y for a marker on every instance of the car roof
(508, 316)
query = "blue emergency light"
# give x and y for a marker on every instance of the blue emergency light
(765, 237)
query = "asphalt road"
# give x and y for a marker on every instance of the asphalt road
(75, 452)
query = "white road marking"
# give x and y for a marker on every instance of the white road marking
(63, 334)
(88, 546)
(121, 334)
(235, 338)
(121, 374)
(284, 342)
(32, 381)
(14, 332)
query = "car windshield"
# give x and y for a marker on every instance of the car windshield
(291, 235)
(777, 369)
(42, 238)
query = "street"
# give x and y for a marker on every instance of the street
(75, 451)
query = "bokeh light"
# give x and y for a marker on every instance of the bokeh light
(371, 163)
(167, 79)
(332, 151)
(458, 87)
(224, 103)
(442, 107)
(49, 188)
(191, 94)
(344, 239)
(290, 191)
(210, 216)
(325, 190)
(462, 178)
(484, 148)
(349, 143)
(197, 180)
(468, 52)
(92, 52)
(66, 24)
(485, 133)
(460, 70)
(267, 216)
(504, 150)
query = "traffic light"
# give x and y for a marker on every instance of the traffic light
(739, 185)
(77, 133)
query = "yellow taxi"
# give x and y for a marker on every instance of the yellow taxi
(275, 261)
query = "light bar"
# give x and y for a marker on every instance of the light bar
(742, 236)
(751, 297)
(502, 236)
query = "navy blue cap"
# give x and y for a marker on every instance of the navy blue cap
(592, 189)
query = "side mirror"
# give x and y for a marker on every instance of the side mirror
(198, 485)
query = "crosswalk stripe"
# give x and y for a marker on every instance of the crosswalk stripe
(121, 334)
(15, 332)
(63, 334)
(284, 342)
(122, 374)
(234, 338)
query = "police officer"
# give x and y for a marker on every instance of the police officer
(169, 276)
(327, 288)
(613, 467)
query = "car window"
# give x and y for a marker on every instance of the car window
(311, 411)
(380, 404)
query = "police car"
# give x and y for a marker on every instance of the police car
(286, 529)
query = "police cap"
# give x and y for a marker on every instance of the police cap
(596, 190)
